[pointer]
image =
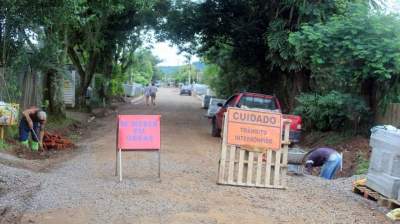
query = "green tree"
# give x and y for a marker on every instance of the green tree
(98, 37)
(31, 43)
(249, 40)
(136, 67)
(144, 68)
(358, 52)
(104, 30)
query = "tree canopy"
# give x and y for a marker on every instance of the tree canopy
(97, 37)
(334, 49)
(248, 40)
(358, 52)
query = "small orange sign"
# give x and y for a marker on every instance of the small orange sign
(257, 129)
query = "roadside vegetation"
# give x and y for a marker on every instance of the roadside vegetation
(335, 63)
(40, 40)
(362, 164)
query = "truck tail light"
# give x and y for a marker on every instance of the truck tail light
(299, 126)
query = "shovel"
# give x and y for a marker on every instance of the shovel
(34, 133)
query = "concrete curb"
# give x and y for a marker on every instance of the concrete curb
(199, 97)
(136, 99)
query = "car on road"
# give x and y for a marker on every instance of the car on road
(259, 101)
(213, 107)
(205, 101)
(186, 90)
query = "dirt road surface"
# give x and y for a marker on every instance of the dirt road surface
(83, 189)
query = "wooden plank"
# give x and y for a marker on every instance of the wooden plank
(366, 193)
(392, 113)
(391, 116)
(245, 162)
(253, 185)
(397, 115)
(240, 167)
(268, 168)
(231, 167)
(393, 204)
(259, 167)
(285, 155)
(284, 165)
(222, 161)
(277, 168)
(250, 169)
(1, 132)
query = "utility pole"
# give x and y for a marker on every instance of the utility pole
(189, 61)
(190, 70)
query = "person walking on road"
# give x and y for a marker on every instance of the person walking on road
(328, 158)
(153, 92)
(33, 122)
(147, 91)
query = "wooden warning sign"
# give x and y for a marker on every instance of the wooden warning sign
(240, 166)
(256, 129)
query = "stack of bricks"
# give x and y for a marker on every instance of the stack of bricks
(53, 141)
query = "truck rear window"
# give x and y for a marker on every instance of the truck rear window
(257, 102)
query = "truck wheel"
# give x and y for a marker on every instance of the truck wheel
(215, 132)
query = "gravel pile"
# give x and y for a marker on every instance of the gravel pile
(16, 189)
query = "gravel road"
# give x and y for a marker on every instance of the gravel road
(83, 189)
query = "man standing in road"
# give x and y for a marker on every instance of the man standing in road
(328, 158)
(33, 121)
(153, 91)
(147, 91)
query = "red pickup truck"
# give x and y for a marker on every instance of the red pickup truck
(255, 100)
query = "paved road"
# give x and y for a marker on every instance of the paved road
(85, 190)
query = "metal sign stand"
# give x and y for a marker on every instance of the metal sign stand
(118, 164)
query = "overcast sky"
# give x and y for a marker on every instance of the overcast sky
(169, 54)
(394, 5)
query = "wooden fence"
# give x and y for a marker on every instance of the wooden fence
(392, 115)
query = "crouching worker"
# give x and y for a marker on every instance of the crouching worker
(328, 158)
(32, 122)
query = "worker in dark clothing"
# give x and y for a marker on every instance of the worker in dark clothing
(32, 122)
(328, 158)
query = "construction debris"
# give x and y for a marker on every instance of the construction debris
(54, 141)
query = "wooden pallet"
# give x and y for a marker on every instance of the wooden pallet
(239, 167)
(370, 194)
(388, 203)
(366, 192)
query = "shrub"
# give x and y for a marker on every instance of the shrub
(332, 111)
(362, 164)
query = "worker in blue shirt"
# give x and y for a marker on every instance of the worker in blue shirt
(328, 158)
